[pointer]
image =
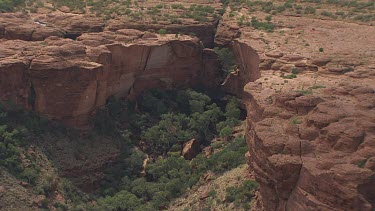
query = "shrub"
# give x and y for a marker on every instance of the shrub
(310, 10)
(295, 120)
(290, 76)
(178, 6)
(362, 163)
(226, 132)
(328, 14)
(268, 18)
(162, 31)
(295, 71)
(12, 144)
(242, 194)
(10, 5)
(230, 157)
(240, 20)
(266, 26)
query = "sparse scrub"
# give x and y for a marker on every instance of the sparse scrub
(290, 76)
(10, 5)
(310, 10)
(266, 26)
(318, 87)
(362, 163)
(305, 91)
(328, 14)
(295, 120)
(241, 195)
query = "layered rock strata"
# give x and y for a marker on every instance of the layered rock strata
(68, 80)
(37, 27)
(311, 146)
(247, 69)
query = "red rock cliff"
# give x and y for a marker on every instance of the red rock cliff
(312, 151)
(70, 79)
(247, 69)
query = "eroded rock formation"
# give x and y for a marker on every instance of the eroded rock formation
(67, 80)
(310, 114)
(40, 26)
(312, 151)
(247, 69)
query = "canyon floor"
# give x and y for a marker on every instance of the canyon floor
(304, 71)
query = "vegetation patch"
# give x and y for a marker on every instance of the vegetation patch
(227, 59)
(241, 196)
(166, 120)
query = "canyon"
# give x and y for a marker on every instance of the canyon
(310, 126)
(67, 80)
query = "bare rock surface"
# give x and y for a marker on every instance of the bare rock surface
(310, 114)
(307, 144)
(247, 69)
(190, 149)
(18, 26)
(69, 79)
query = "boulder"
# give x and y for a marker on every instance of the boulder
(320, 61)
(190, 149)
(208, 151)
(275, 54)
(226, 33)
(39, 200)
(293, 58)
(204, 195)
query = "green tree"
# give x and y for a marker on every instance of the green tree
(227, 60)
(204, 123)
(226, 132)
(171, 129)
(122, 200)
(232, 109)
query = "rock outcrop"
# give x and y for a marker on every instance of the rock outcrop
(37, 27)
(247, 69)
(190, 149)
(19, 26)
(310, 115)
(40, 26)
(67, 80)
(312, 149)
(204, 31)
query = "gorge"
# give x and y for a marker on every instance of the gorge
(310, 126)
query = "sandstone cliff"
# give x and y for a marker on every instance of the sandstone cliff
(311, 115)
(312, 151)
(37, 27)
(67, 80)
(247, 69)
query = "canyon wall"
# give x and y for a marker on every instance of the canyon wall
(312, 151)
(247, 69)
(310, 115)
(68, 80)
